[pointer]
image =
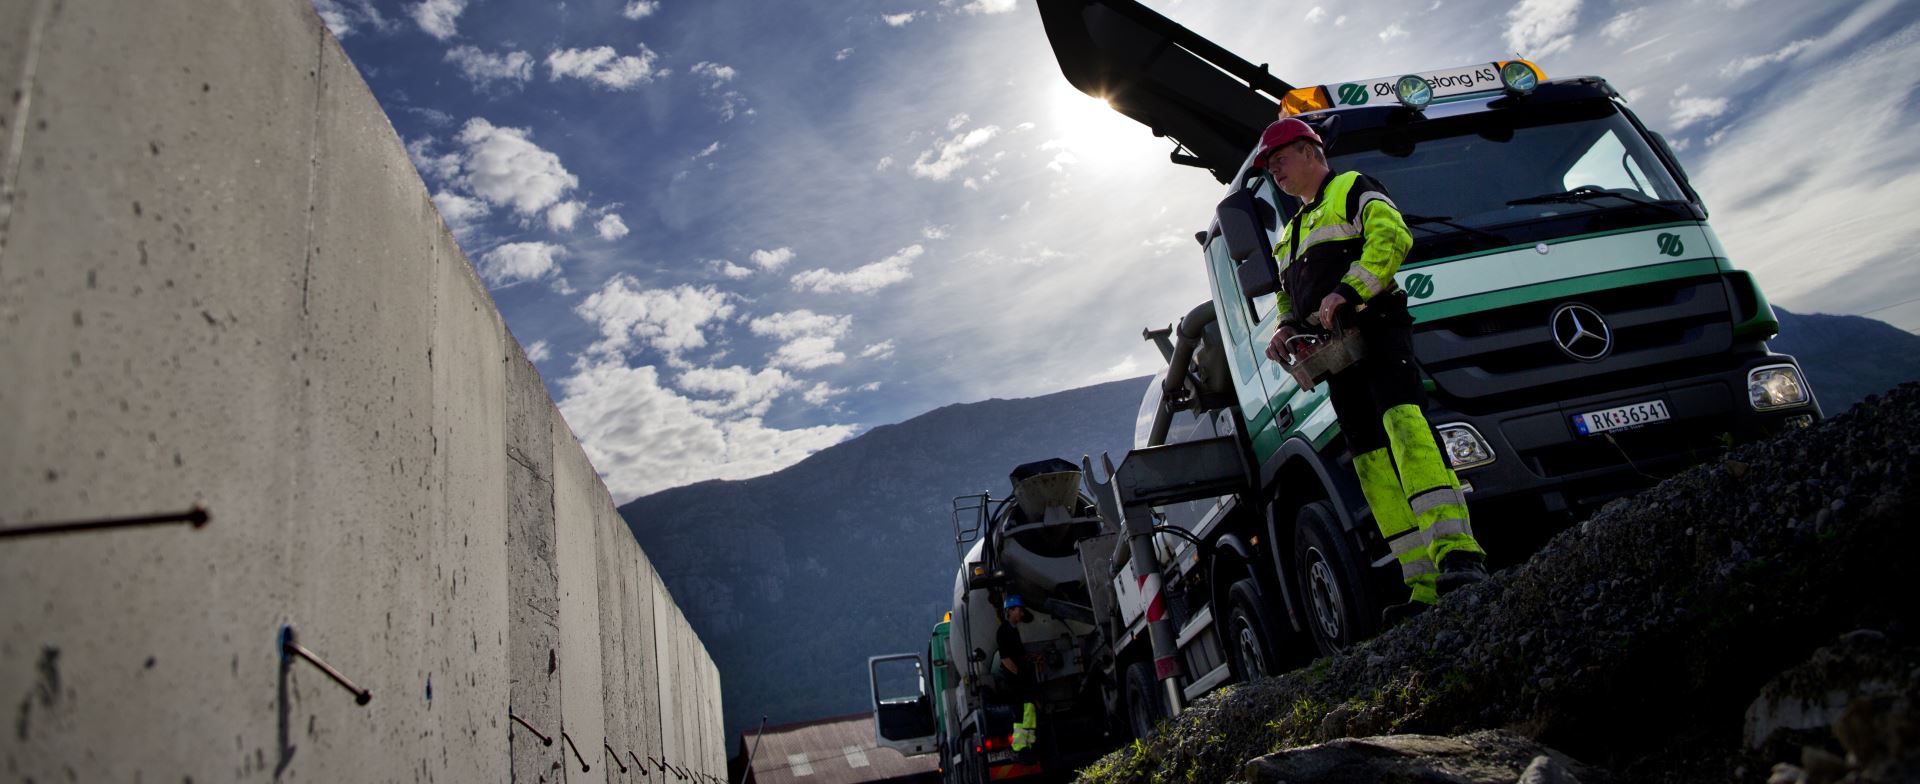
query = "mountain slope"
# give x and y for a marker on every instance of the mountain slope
(1848, 357)
(794, 578)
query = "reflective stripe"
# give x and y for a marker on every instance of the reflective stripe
(1415, 569)
(1405, 544)
(1331, 231)
(1372, 196)
(1452, 526)
(1434, 499)
(1371, 285)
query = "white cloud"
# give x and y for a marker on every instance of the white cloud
(1687, 111)
(988, 6)
(610, 227)
(461, 213)
(899, 20)
(1340, 21)
(708, 150)
(483, 68)
(807, 354)
(1538, 28)
(604, 66)
(562, 216)
(958, 121)
(1780, 199)
(345, 17)
(950, 155)
(880, 350)
(643, 438)
(1393, 33)
(439, 167)
(505, 167)
(872, 277)
(729, 269)
(810, 338)
(743, 391)
(518, 261)
(715, 71)
(539, 351)
(668, 320)
(800, 323)
(437, 17)
(1745, 65)
(771, 260)
(871, 386)
(640, 9)
(1315, 14)
(886, 162)
(843, 54)
(934, 232)
(1623, 24)
(822, 392)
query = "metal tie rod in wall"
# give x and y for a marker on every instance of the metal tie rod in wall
(638, 764)
(544, 740)
(614, 754)
(584, 767)
(290, 646)
(197, 517)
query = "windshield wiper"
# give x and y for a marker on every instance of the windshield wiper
(1582, 193)
(1447, 220)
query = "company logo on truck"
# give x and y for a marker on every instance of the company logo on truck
(1670, 244)
(1419, 285)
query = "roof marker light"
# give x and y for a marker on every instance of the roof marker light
(1413, 92)
(1518, 77)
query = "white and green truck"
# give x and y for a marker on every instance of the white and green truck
(1580, 327)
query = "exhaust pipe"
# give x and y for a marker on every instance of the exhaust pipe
(1192, 328)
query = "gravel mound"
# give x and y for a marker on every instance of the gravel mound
(1636, 641)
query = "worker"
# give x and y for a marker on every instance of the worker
(1019, 683)
(1337, 256)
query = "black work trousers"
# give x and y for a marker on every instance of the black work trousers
(1386, 376)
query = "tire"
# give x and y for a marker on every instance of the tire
(1252, 647)
(1145, 707)
(1339, 608)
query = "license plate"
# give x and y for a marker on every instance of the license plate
(1620, 417)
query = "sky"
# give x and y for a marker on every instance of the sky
(730, 234)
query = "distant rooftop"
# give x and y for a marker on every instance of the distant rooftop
(837, 750)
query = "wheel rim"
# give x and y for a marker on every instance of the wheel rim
(1252, 659)
(1324, 592)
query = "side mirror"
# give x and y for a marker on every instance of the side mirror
(1240, 226)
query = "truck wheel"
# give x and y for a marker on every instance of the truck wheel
(1333, 591)
(1145, 708)
(1250, 641)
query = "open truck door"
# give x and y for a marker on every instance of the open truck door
(903, 718)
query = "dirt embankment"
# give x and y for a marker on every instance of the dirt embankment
(1756, 610)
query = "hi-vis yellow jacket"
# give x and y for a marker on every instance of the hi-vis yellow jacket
(1349, 239)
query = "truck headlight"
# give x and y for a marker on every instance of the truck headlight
(1464, 447)
(1776, 386)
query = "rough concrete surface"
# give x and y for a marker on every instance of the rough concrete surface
(222, 282)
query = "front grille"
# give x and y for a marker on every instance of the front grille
(1478, 360)
(1657, 450)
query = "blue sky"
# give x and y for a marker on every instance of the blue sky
(734, 233)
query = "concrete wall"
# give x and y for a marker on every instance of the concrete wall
(222, 282)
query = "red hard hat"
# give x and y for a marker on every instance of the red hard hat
(1281, 134)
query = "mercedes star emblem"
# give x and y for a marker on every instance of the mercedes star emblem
(1581, 332)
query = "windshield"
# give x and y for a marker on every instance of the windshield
(1511, 176)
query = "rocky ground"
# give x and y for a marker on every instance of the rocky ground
(1752, 619)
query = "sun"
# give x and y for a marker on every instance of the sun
(1086, 131)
